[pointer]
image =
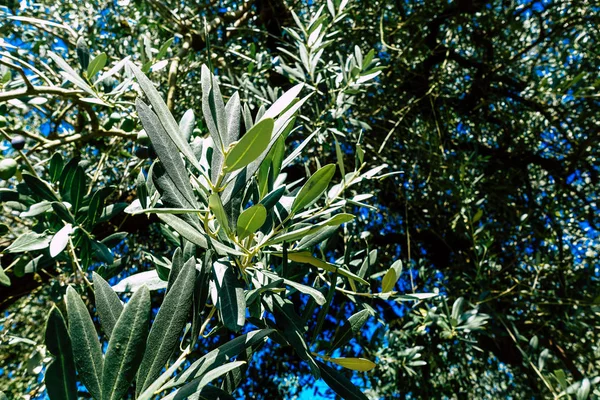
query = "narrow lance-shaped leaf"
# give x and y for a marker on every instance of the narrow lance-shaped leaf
(355, 364)
(108, 304)
(167, 152)
(213, 109)
(313, 188)
(193, 390)
(78, 189)
(165, 116)
(60, 374)
(193, 235)
(340, 384)
(251, 340)
(126, 346)
(391, 277)
(167, 327)
(350, 328)
(232, 302)
(40, 188)
(187, 124)
(96, 65)
(86, 346)
(250, 146)
(216, 207)
(233, 112)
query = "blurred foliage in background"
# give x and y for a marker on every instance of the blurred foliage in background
(400, 195)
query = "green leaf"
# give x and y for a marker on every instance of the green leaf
(163, 49)
(165, 116)
(29, 241)
(86, 346)
(194, 236)
(290, 322)
(96, 65)
(83, 53)
(4, 279)
(313, 188)
(355, 364)
(193, 390)
(78, 189)
(351, 328)
(251, 340)
(61, 210)
(232, 302)
(60, 374)
(307, 258)
(56, 166)
(213, 109)
(251, 220)
(108, 304)
(126, 346)
(40, 188)
(215, 205)
(167, 327)
(391, 277)
(340, 384)
(70, 74)
(250, 146)
(167, 153)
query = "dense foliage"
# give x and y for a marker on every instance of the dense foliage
(280, 198)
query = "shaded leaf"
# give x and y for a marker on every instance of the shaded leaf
(86, 346)
(126, 346)
(108, 304)
(340, 384)
(167, 327)
(232, 302)
(60, 374)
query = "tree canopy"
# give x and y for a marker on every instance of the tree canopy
(299, 198)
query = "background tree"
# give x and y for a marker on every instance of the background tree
(488, 108)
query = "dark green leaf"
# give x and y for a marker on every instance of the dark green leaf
(251, 340)
(60, 374)
(108, 304)
(351, 327)
(56, 166)
(40, 188)
(232, 303)
(83, 53)
(340, 384)
(86, 346)
(167, 327)
(78, 189)
(167, 152)
(126, 346)
(63, 213)
(165, 117)
(193, 235)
